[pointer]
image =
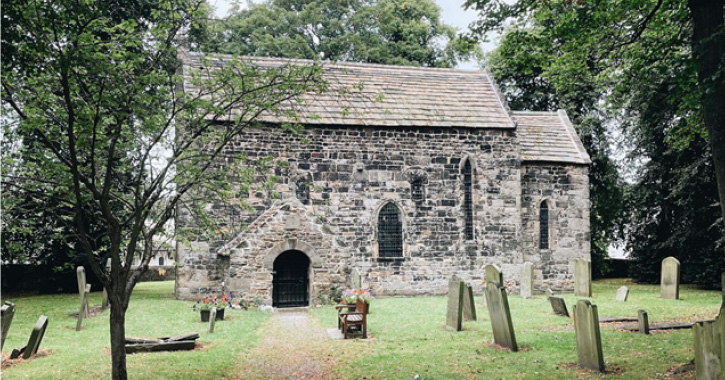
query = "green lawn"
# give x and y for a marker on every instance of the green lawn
(152, 313)
(409, 338)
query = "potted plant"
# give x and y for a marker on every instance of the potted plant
(219, 303)
(350, 297)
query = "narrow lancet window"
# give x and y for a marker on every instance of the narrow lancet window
(416, 189)
(544, 226)
(303, 192)
(390, 232)
(467, 199)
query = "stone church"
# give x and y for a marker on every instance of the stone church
(434, 177)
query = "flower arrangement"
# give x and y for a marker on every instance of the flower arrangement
(247, 302)
(350, 296)
(210, 302)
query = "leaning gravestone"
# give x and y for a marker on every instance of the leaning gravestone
(36, 337)
(670, 279)
(81, 277)
(355, 279)
(469, 306)
(454, 314)
(526, 289)
(582, 278)
(212, 319)
(643, 321)
(558, 305)
(588, 338)
(622, 294)
(492, 273)
(7, 311)
(500, 314)
(709, 348)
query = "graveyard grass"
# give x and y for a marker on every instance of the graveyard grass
(408, 338)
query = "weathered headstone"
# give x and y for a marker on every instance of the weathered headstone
(622, 294)
(588, 338)
(526, 289)
(643, 321)
(582, 278)
(550, 293)
(81, 277)
(454, 314)
(500, 315)
(36, 337)
(469, 305)
(709, 348)
(493, 273)
(7, 311)
(670, 279)
(212, 319)
(558, 305)
(355, 279)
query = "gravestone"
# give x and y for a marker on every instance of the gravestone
(36, 337)
(643, 321)
(492, 273)
(622, 294)
(709, 348)
(550, 293)
(588, 338)
(500, 315)
(670, 279)
(82, 312)
(558, 305)
(7, 311)
(355, 279)
(454, 313)
(469, 306)
(212, 319)
(526, 289)
(582, 278)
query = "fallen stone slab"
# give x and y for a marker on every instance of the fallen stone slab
(161, 346)
(661, 326)
(617, 319)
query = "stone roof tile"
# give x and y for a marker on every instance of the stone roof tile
(549, 136)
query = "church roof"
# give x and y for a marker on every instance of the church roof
(549, 136)
(398, 96)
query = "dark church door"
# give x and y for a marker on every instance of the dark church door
(290, 280)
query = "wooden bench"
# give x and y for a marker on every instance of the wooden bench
(356, 319)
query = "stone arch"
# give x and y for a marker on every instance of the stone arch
(468, 198)
(403, 222)
(551, 221)
(292, 244)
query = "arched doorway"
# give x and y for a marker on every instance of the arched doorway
(290, 282)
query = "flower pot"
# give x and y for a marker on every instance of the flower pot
(206, 313)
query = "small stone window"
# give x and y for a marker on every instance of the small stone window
(467, 173)
(161, 260)
(416, 189)
(303, 191)
(544, 226)
(390, 232)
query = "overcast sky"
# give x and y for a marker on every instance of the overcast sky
(453, 14)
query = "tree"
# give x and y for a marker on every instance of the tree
(396, 32)
(104, 127)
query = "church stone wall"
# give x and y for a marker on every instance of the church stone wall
(354, 171)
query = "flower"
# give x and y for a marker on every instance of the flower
(351, 296)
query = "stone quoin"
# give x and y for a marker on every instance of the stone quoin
(421, 174)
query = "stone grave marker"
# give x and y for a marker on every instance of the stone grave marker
(469, 306)
(582, 278)
(454, 313)
(550, 293)
(558, 306)
(643, 321)
(355, 279)
(81, 276)
(670, 279)
(500, 314)
(588, 338)
(36, 337)
(526, 289)
(212, 319)
(622, 294)
(493, 273)
(709, 348)
(7, 311)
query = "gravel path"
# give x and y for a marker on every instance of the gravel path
(293, 346)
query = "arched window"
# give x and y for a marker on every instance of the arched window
(544, 226)
(161, 261)
(303, 192)
(467, 199)
(390, 232)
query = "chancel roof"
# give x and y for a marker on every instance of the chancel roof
(550, 137)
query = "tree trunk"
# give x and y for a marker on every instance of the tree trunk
(709, 49)
(118, 340)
